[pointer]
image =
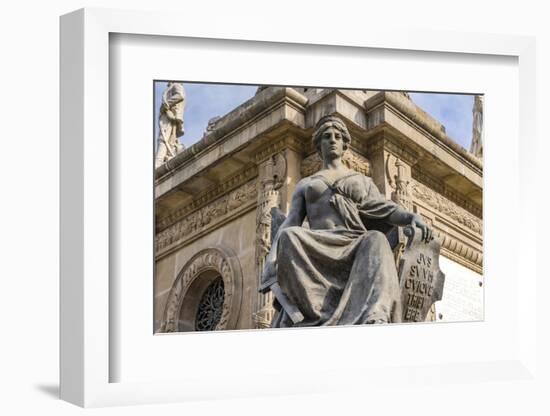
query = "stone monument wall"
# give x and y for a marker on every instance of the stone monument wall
(218, 193)
(237, 236)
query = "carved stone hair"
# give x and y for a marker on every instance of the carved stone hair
(327, 122)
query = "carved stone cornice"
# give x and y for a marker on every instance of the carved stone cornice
(445, 207)
(287, 142)
(438, 186)
(240, 117)
(352, 159)
(208, 196)
(392, 145)
(461, 253)
(359, 146)
(407, 109)
(207, 218)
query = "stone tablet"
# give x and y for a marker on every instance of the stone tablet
(420, 278)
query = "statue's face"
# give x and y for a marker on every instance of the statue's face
(332, 144)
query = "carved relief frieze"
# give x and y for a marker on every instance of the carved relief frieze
(439, 187)
(446, 207)
(207, 216)
(207, 197)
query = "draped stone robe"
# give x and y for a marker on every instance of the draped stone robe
(340, 276)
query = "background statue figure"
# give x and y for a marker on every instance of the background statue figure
(339, 271)
(170, 123)
(477, 127)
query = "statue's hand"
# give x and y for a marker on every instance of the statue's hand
(427, 234)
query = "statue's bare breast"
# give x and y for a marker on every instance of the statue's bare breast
(320, 212)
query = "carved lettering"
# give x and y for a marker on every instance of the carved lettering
(421, 279)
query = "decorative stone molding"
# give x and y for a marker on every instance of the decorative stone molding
(391, 145)
(442, 189)
(207, 197)
(273, 148)
(220, 260)
(461, 253)
(446, 207)
(206, 217)
(351, 159)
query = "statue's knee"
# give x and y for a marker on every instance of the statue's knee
(376, 235)
(378, 238)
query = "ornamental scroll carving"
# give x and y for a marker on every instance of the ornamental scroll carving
(206, 216)
(351, 159)
(399, 182)
(272, 174)
(271, 178)
(436, 185)
(217, 259)
(446, 207)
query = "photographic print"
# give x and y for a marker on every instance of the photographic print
(293, 207)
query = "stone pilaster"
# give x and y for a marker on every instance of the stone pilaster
(272, 175)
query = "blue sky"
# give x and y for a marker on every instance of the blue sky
(454, 111)
(205, 101)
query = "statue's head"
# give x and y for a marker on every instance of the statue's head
(331, 137)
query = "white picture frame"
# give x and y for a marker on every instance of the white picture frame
(86, 261)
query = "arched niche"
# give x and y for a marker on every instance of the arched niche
(203, 271)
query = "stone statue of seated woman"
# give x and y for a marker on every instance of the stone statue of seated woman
(339, 271)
